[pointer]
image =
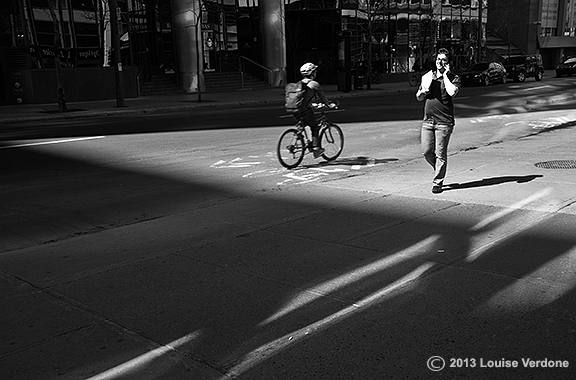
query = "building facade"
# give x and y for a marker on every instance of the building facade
(401, 36)
(547, 27)
(270, 39)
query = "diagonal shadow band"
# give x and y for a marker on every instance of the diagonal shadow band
(491, 181)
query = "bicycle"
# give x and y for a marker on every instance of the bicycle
(415, 79)
(375, 77)
(294, 143)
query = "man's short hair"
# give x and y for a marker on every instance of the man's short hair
(443, 51)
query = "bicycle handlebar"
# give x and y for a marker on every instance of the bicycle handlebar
(322, 106)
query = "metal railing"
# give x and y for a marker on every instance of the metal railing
(144, 74)
(243, 59)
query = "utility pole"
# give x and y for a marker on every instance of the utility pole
(479, 50)
(112, 4)
(369, 68)
(198, 36)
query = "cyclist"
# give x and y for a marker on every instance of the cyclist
(308, 71)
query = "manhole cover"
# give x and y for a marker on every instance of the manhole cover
(559, 164)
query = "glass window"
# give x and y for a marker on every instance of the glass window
(247, 3)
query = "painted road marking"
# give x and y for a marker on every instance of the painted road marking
(51, 142)
(235, 163)
(300, 176)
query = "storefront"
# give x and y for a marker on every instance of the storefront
(269, 39)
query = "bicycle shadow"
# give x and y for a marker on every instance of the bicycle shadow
(491, 181)
(355, 161)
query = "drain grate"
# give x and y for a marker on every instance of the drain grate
(558, 164)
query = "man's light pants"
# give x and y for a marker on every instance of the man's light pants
(434, 140)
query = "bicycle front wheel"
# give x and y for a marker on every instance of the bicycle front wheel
(290, 149)
(332, 140)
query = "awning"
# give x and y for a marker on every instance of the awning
(548, 42)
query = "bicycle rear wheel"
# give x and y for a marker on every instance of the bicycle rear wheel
(332, 140)
(413, 80)
(290, 149)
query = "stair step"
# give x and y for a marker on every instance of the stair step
(500, 47)
(231, 81)
(162, 84)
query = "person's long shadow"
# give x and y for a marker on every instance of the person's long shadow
(491, 181)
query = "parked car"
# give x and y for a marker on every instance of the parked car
(568, 67)
(484, 73)
(520, 67)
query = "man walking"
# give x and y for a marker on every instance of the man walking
(437, 88)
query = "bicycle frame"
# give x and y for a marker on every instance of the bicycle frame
(301, 127)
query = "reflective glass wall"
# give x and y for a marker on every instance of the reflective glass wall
(402, 35)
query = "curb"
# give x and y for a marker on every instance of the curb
(554, 99)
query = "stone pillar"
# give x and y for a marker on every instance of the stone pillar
(187, 29)
(274, 40)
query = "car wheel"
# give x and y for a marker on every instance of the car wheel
(521, 77)
(539, 75)
(486, 81)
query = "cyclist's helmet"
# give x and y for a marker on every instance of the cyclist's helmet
(307, 69)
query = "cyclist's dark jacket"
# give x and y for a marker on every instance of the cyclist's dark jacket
(314, 89)
(439, 108)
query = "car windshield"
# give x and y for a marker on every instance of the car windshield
(570, 60)
(479, 66)
(515, 60)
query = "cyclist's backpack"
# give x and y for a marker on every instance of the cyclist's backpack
(295, 95)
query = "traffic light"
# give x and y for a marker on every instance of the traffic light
(17, 86)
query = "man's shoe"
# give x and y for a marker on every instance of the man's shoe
(436, 189)
(318, 152)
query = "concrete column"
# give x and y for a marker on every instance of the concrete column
(274, 40)
(187, 29)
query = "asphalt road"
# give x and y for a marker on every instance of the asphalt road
(84, 175)
(173, 246)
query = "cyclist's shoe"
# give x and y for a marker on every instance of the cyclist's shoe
(318, 152)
